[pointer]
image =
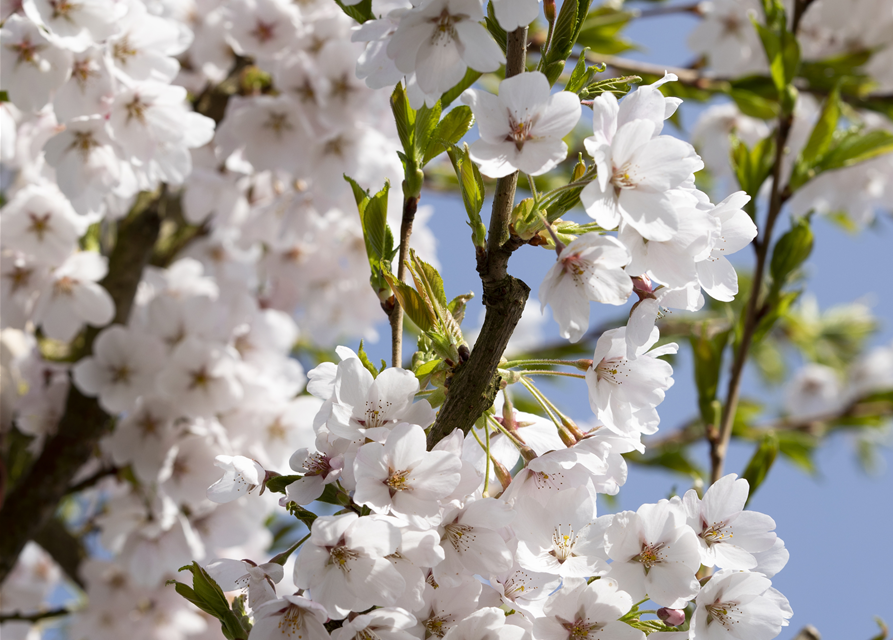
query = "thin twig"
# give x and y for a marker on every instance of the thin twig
(656, 12)
(34, 617)
(410, 205)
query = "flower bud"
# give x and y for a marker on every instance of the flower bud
(672, 617)
(579, 169)
(549, 10)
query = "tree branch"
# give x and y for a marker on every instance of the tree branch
(410, 205)
(475, 384)
(64, 548)
(34, 617)
(31, 504)
(719, 442)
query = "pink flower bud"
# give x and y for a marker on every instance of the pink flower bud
(672, 617)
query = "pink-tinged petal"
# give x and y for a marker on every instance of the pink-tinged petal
(511, 14)
(725, 498)
(226, 572)
(436, 476)
(738, 231)
(731, 556)
(328, 530)
(352, 383)
(651, 214)
(718, 278)
(570, 308)
(373, 537)
(601, 205)
(305, 490)
(640, 325)
(479, 50)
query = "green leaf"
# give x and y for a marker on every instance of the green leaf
(471, 76)
(207, 595)
(554, 70)
(495, 29)
(782, 51)
(360, 12)
(707, 348)
(852, 147)
(425, 123)
(754, 105)
(819, 142)
(761, 462)
(457, 306)
(798, 447)
(404, 117)
(375, 226)
(581, 75)
(302, 514)
(885, 630)
(472, 185)
(752, 166)
(600, 29)
(449, 131)
(673, 459)
(790, 252)
(367, 363)
(278, 484)
(413, 304)
(563, 33)
(618, 86)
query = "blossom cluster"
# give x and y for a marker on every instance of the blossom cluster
(438, 546)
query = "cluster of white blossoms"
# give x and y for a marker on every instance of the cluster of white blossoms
(489, 535)
(671, 241)
(436, 547)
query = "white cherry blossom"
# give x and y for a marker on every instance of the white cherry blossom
(290, 617)
(123, 367)
(41, 222)
(522, 128)
(586, 612)
(739, 604)
(588, 269)
(241, 476)
(728, 536)
(32, 67)
(257, 580)
(74, 298)
(439, 39)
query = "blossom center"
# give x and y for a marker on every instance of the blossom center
(136, 110)
(342, 556)
(122, 50)
(650, 556)
(563, 544)
(723, 612)
(613, 370)
(717, 532)
(579, 629)
(445, 30)
(39, 224)
(64, 286)
(435, 627)
(398, 481)
(26, 51)
(278, 122)
(317, 465)
(459, 535)
(519, 132)
(264, 31)
(621, 178)
(292, 621)
(121, 374)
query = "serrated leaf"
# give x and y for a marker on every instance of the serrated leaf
(472, 186)
(449, 131)
(457, 306)
(207, 595)
(374, 221)
(414, 305)
(471, 76)
(618, 86)
(361, 12)
(760, 463)
(425, 123)
(853, 147)
(563, 33)
(302, 514)
(581, 75)
(819, 142)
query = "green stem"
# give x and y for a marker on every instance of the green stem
(536, 361)
(534, 372)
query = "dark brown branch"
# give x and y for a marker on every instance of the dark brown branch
(475, 383)
(31, 504)
(34, 617)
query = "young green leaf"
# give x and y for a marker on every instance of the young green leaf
(449, 131)
(790, 252)
(361, 12)
(472, 186)
(761, 462)
(819, 142)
